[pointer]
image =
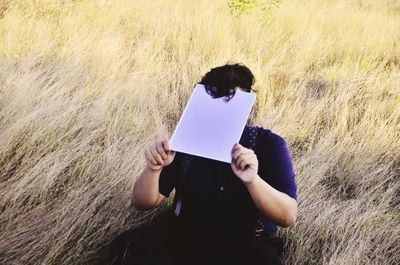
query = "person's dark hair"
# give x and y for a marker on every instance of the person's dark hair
(221, 81)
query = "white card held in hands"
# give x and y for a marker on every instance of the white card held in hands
(209, 127)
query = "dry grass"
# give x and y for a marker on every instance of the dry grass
(85, 86)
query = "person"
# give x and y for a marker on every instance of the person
(222, 213)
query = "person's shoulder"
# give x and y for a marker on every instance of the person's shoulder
(269, 136)
(270, 142)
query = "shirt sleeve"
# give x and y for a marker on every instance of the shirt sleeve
(169, 176)
(278, 167)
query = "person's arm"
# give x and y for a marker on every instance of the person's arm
(145, 193)
(274, 204)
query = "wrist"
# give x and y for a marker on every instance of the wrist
(252, 182)
(153, 170)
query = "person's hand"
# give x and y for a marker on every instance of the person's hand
(159, 155)
(244, 163)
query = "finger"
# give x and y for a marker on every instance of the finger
(160, 150)
(239, 146)
(156, 155)
(237, 151)
(243, 163)
(238, 160)
(234, 167)
(237, 164)
(240, 151)
(235, 147)
(150, 157)
(244, 160)
(167, 145)
(236, 154)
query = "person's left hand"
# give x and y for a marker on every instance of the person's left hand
(244, 163)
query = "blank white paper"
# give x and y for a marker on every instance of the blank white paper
(210, 127)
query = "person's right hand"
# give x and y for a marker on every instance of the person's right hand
(159, 155)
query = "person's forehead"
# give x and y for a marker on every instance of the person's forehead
(239, 88)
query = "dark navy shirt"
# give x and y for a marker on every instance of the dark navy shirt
(213, 198)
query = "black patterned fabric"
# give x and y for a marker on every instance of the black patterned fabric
(210, 195)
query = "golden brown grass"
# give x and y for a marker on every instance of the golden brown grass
(85, 86)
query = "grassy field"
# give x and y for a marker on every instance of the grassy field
(86, 86)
